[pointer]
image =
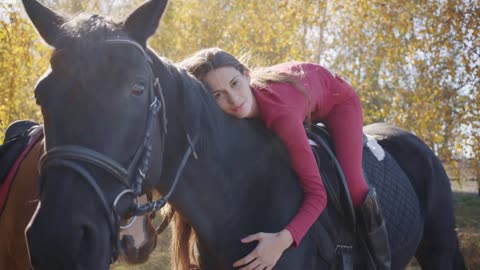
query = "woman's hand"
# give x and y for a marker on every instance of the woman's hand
(269, 249)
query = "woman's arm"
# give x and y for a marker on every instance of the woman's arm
(291, 131)
(271, 245)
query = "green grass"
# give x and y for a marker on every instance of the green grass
(467, 210)
(468, 227)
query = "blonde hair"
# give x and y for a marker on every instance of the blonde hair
(183, 243)
(206, 60)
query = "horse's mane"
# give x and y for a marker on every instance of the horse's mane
(83, 39)
(183, 254)
(194, 98)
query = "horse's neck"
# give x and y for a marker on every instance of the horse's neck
(230, 190)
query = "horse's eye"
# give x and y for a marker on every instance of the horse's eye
(138, 89)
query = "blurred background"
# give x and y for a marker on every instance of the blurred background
(415, 64)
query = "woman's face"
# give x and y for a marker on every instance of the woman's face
(232, 92)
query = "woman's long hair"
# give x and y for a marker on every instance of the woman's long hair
(206, 60)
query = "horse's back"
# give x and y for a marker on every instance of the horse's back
(19, 208)
(439, 247)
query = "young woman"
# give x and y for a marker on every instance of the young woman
(284, 96)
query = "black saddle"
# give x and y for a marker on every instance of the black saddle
(395, 192)
(321, 141)
(17, 137)
(18, 128)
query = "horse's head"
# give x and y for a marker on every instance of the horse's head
(100, 106)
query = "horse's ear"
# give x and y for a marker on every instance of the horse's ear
(47, 22)
(143, 21)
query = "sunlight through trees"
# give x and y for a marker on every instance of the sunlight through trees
(415, 64)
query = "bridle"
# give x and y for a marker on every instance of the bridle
(132, 177)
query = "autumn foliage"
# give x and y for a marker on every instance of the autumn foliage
(414, 63)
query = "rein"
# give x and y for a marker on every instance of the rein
(131, 178)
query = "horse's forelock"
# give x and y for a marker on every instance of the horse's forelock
(86, 34)
(88, 27)
(84, 39)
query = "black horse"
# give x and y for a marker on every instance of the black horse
(116, 114)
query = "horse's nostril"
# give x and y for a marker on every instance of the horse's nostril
(126, 242)
(86, 236)
(83, 239)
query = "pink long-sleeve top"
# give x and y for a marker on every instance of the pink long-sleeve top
(283, 108)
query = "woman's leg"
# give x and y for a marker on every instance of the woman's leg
(345, 124)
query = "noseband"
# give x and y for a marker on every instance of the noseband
(132, 177)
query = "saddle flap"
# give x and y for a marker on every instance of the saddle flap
(340, 198)
(12, 152)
